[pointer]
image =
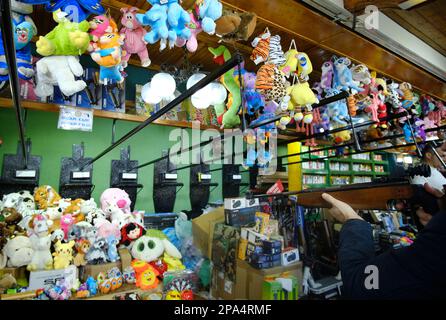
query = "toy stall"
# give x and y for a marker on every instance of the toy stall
(177, 150)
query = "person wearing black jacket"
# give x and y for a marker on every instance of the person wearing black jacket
(414, 272)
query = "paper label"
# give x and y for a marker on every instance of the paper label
(75, 119)
(25, 174)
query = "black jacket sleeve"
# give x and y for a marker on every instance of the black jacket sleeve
(415, 272)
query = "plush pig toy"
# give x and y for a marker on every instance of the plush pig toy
(134, 37)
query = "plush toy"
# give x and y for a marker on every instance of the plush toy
(276, 55)
(41, 243)
(340, 138)
(98, 252)
(253, 101)
(302, 95)
(46, 196)
(66, 221)
(90, 209)
(82, 247)
(66, 39)
(116, 196)
(361, 74)
(337, 111)
(59, 71)
(112, 251)
(271, 82)
(131, 232)
(63, 255)
(173, 264)
(233, 26)
(18, 252)
(152, 245)
(76, 10)
(106, 228)
(146, 275)
(327, 75)
(99, 26)
(291, 62)
(10, 217)
(81, 230)
(167, 20)
(108, 56)
(7, 281)
(195, 28)
(261, 46)
(74, 210)
(230, 118)
(134, 35)
(24, 29)
(209, 11)
(394, 96)
(342, 79)
(129, 275)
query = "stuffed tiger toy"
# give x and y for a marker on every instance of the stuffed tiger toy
(261, 46)
(276, 54)
(45, 197)
(271, 82)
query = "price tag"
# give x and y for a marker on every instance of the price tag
(81, 175)
(75, 119)
(236, 177)
(171, 176)
(206, 177)
(129, 176)
(25, 174)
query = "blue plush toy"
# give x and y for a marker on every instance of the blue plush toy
(210, 11)
(77, 10)
(112, 250)
(167, 20)
(343, 79)
(24, 32)
(92, 286)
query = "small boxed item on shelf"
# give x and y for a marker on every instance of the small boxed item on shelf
(313, 165)
(47, 278)
(252, 236)
(378, 157)
(290, 256)
(241, 212)
(113, 97)
(281, 288)
(339, 180)
(159, 221)
(360, 179)
(313, 179)
(361, 156)
(91, 96)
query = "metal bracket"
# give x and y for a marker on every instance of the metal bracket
(124, 175)
(165, 184)
(15, 176)
(76, 182)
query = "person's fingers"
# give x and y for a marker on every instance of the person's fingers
(329, 198)
(433, 191)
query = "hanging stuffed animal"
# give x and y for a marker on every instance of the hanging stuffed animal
(261, 47)
(208, 11)
(271, 82)
(134, 35)
(361, 74)
(234, 26)
(195, 28)
(25, 30)
(327, 74)
(342, 75)
(230, 118)
(291, 62)
(253, 101)
(167, 20)
(276, 55)
(66, 39)
(99, 26)
(76, 10)
(108, 56)
(304, 67)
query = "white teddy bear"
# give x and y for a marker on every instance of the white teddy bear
(41, 243)
(18, 252)
(150, 248)
(59, 71)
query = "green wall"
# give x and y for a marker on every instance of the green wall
(53, 144)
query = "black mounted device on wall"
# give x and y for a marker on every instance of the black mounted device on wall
(165, 184)
(232, 180)
(199, 187)
(16, 175)
(124, 175)
(75, 177)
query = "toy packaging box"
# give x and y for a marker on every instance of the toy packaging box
(113, 97)
(91, 96)
(240, 212)
(47, 278)
(59, 98)
(203, 230)
(224, 250)
(159, 221)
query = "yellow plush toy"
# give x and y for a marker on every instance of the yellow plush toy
(302, 95)
(173, 264)
(304, 66)
(63, 255)
(291, 63)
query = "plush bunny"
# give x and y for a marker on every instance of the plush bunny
(134, 35)
(152, 246)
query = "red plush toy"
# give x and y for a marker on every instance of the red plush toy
(131, 232)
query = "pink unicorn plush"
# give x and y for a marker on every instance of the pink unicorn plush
(134, 37)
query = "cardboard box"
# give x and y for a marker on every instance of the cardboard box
(252, 236)
(253, 278)
(203, 229)
(159, 221)
(290, 256)
(235, 203)
(47, 278)
(227, 290)
(94, 269)
(20, 274)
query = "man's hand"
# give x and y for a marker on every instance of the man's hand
(341, 211)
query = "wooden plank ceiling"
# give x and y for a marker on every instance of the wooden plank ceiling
(317, 36)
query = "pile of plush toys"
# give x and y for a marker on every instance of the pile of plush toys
(43, 231)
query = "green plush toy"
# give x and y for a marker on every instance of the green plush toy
(230, 118)
(66, 39)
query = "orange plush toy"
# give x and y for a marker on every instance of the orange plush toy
(146, 275)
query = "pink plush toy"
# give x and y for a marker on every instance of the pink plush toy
(99, 26)
(195, 28)
(105, 229)
(134, 37)
(115, 196)
(66, 221)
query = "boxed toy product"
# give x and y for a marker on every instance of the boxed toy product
(113, 97)
(91, 96)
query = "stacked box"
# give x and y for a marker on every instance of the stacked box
(264, 254)
(281, 288)
(159, 221)
(240, 212)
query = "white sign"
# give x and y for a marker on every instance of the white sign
(81, 175)
(25, 173)
(75, 119)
